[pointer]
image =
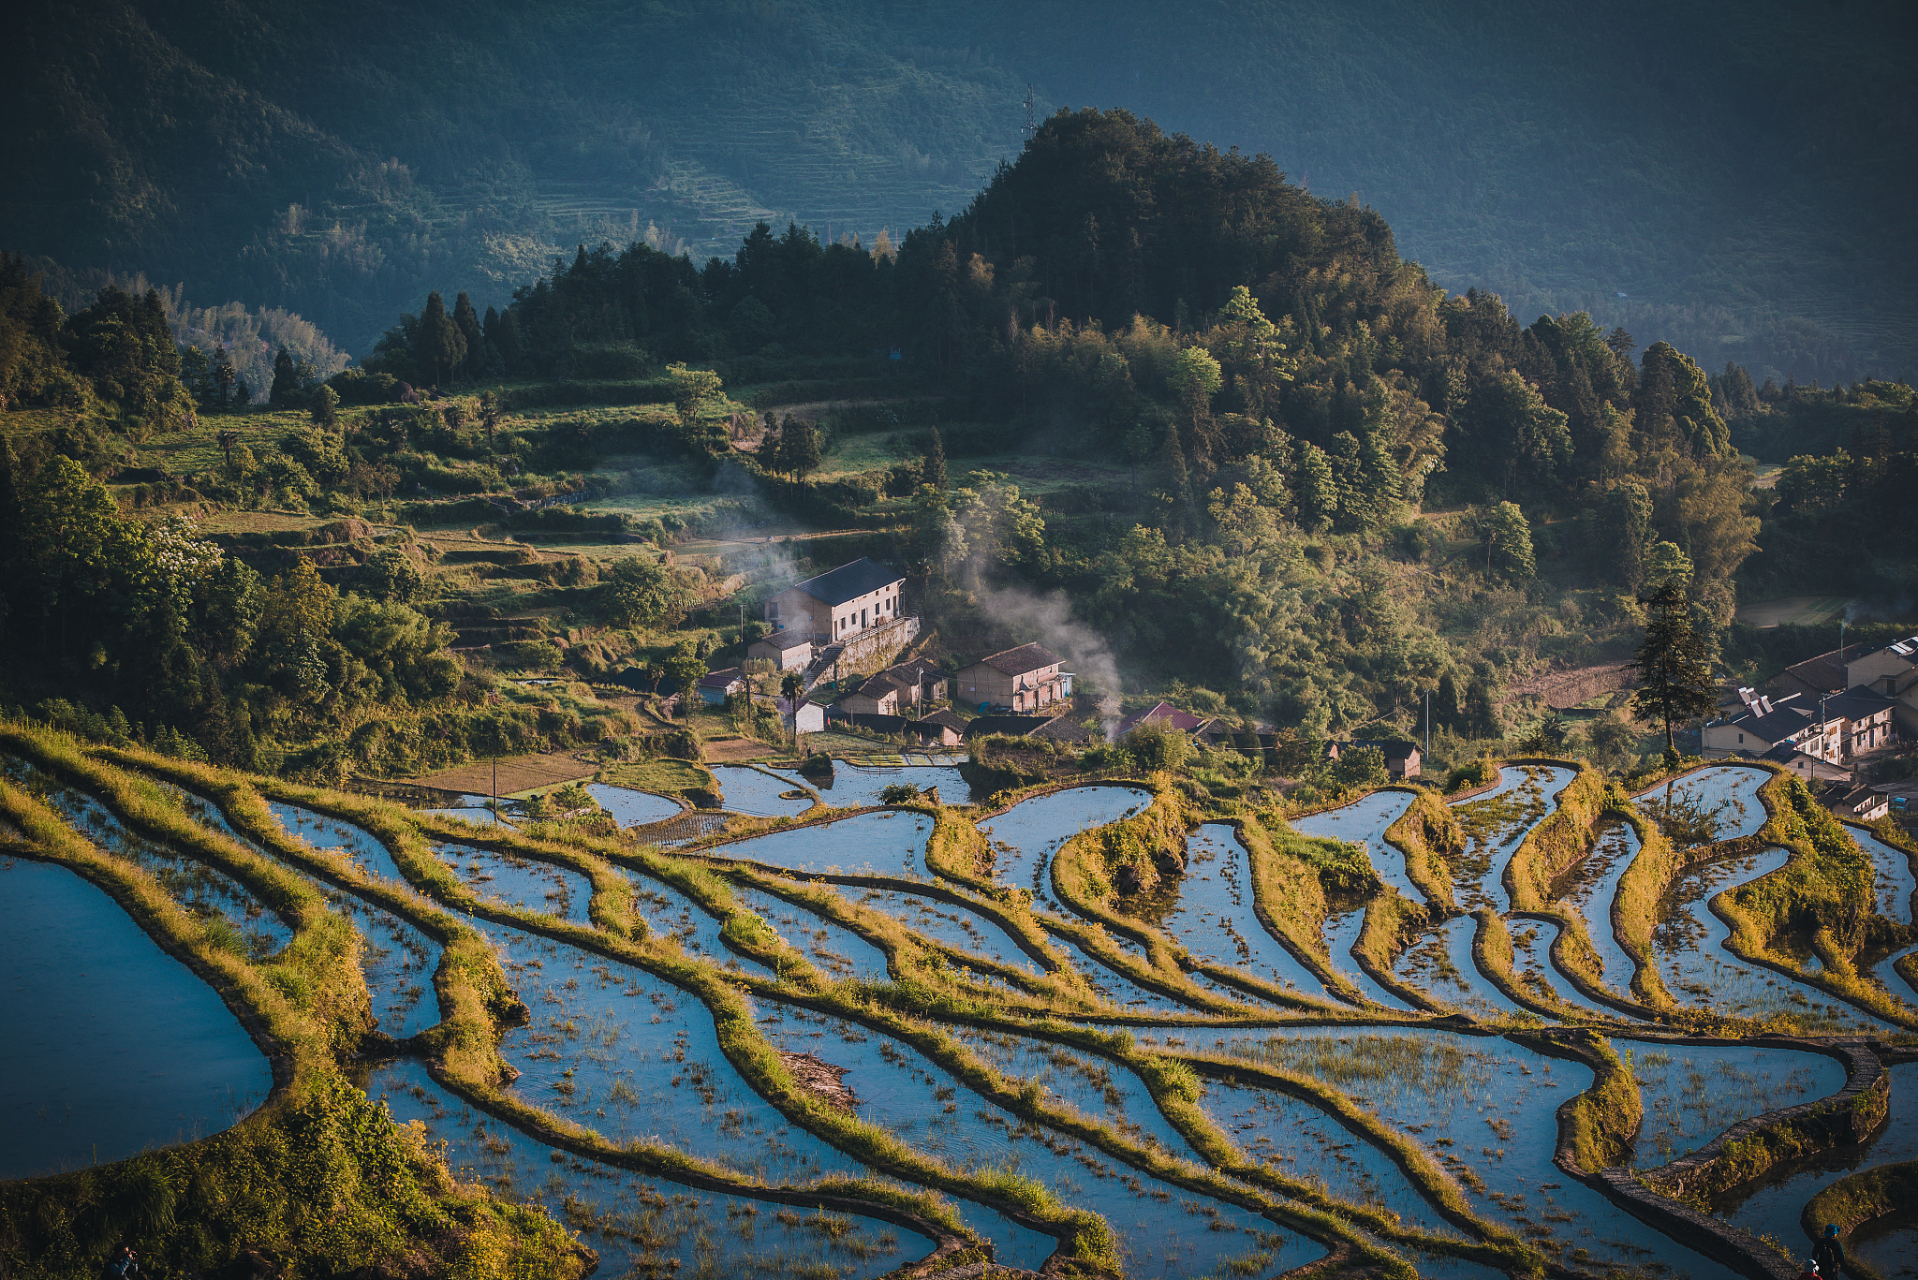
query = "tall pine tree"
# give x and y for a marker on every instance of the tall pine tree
(1674, 674)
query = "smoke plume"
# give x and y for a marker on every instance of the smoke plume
(1082, 648)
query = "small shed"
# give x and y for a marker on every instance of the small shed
(715, 688)
(787, 649)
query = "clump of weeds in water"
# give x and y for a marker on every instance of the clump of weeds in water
(1412, 1063)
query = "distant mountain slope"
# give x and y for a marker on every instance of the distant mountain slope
(1734, 179)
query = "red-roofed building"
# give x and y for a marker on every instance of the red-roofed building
(1163, 713)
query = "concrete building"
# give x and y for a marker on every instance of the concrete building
(810, 719)
(1019, 680)
(787, 650)
(1890, 670)
(837, 605)
(1833, 728)
(1857, 802)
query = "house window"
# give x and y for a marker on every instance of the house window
(1741, 739)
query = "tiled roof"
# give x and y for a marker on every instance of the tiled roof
(880, 685)
(1857, 703)
(785, 639)
(948, 717)
(1162, 713)
(1016, 662)
(850, 581)
(1827, 670)
(1391, 750)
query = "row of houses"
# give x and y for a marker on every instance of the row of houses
(819, 619)
(1820, 716)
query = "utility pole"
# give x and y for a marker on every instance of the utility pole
(1428, 722)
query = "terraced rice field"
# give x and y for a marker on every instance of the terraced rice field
(832, 1048)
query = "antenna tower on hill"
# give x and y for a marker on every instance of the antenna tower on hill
(1032, 124)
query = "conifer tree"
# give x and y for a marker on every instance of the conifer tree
(467, 321)
(1315, 488)
(1673, 667)
(286, 382)
(932, 470)
(439, 347)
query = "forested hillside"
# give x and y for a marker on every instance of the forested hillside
(1307, 487)
(1750, 206)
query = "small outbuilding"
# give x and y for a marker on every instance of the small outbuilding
(786, 649)
(720, 685)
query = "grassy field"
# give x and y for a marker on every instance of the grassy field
(667, 777)
(1792, 610)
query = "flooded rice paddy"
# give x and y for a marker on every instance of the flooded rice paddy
(1689, 943)
(633, 808)
(1692, 1093)
(759, 793)
(1163, 1228)
(1719, 802)
(1364, 823)
(1024, 837)
(632, 1058)
(890, 842)
(216, 898)
(515, 881)
(1589, 888)
(1215, 917)
(849, 786)
(114, 1045)
(640, 1225)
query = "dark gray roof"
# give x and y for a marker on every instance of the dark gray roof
(1016, 662)
(784, 639)
(1906, 648)
(1788, 716)
(882, 684)
(1012, 726)
(1857, 703)
(1827, 670)
(850, 581)
(947, 717)
(1390, 748)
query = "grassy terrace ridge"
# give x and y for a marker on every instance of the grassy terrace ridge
(874, 1007)
(1828, 881)
(318, 1174)
(461, 1054)
(1885, 1191)
(1294, 878)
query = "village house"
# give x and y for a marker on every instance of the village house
(1892, 671)
(896, 689)
(1402, 759)
(835, 605)
(1019, 680)
(786, 650)
(1162, 713)
(720, 685)
(811, 717)
(1856, 802)
(1833, 728)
